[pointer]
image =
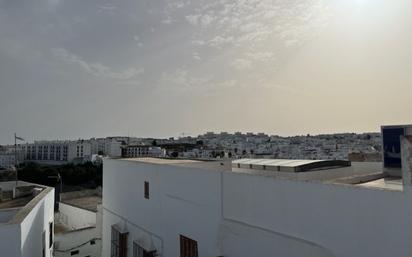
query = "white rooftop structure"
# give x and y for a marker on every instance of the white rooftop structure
(26, 220)
(289, 165)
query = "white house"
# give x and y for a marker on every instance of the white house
(79, 223)
(166, 207)
(26, 220)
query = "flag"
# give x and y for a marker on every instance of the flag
(19, 138)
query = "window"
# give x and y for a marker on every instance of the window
(74, 252)
(43, 247)
(138, 251)
(146, 190)
(92, 242)
(118, 243)
(50, 234)
(188, 247)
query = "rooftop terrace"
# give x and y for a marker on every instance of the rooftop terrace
(359, 174)
(17, 202)
(214, 165)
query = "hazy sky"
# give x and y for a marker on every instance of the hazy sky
(83, 68)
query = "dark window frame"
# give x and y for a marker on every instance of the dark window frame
(188, 247)
(118, 243)
(43, 237)
(139, 251)
(146, 190)
(75, 252)
(51, 234)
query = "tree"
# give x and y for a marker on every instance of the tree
(84, 175)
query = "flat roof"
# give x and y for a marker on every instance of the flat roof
(162, 160)
(397, 126)
(390, 183)
(16, 202)
(17, 209)
(289, 165)
(89, 203)
(212, 165)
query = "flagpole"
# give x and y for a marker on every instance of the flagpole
(15, 156)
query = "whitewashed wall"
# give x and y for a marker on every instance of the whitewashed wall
(78, 240)
(24, 238)
(10, 244)
(242, 215)
(178, 204)
(33, 226)
(76, 218)
(343, 220)
(357, 168)
(7, 214)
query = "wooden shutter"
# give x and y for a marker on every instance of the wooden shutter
(188, 247)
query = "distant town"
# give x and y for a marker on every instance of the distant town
(345, 146)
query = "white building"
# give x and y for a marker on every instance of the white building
(109, 146)
(192, 208)
(79, 222)
(7, 160)
(98, 145)
(80, 151)
(132, 151)
(47, 151)
(26, 220)
(113, 147)
(58, 152)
